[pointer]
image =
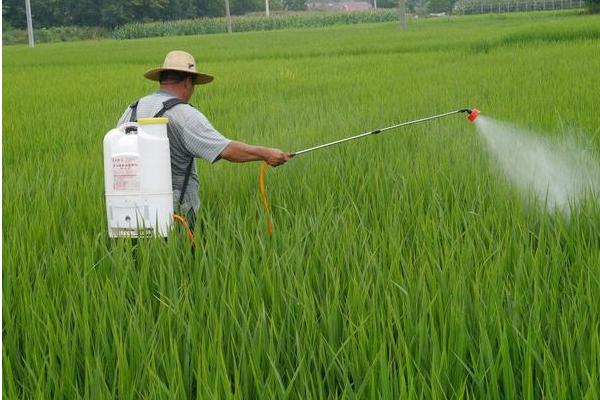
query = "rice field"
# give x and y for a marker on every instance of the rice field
(402, 266)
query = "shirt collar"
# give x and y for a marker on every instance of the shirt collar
(165, 92)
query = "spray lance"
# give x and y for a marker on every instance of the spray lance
(472, 114)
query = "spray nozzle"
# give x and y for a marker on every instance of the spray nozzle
(473, 114)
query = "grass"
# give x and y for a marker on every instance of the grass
(400, 267)
(55, 34)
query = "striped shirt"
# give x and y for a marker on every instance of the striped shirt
(191, 136)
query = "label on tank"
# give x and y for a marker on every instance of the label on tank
(126, 174)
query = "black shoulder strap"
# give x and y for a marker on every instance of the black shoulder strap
(188, 172)
(167, 105)
(133, 106)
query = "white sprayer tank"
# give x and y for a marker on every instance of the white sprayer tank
(137, 179)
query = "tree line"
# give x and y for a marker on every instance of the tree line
(111, 13)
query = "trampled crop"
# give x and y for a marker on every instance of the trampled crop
(401, 266)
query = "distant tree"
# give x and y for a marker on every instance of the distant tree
(389, 4)
(593, 6)
(239, 7)
(13, 13)
(179, 9)
(210, 8)
(115, 12)
(82, 12)
(419, 7)
(296, 5)
(118, 12)
(47, 13)
(111, 13)
(440, 6)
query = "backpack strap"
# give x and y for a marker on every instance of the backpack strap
(167, 105)
(132, 117)
(186, 180)
(133, 106)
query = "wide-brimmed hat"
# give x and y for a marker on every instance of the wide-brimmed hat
(178, 60)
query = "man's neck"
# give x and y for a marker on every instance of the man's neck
(172, 90)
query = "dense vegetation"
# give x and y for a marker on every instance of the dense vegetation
(403, 266)
(61, 20)
(56, 34)
(200, 26)
(593, 6)
(256, 23)
(111, 13)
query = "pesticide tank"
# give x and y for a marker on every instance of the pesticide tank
(137, 179)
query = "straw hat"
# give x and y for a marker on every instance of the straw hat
(179, 61)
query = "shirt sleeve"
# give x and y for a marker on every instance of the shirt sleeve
(200, 138)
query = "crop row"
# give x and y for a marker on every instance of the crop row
(251, 23)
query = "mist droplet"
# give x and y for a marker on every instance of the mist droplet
(559, 172)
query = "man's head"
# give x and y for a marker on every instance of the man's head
(178, 74)
(178, 82)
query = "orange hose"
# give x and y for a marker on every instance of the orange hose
(183, 222)
(263, 196)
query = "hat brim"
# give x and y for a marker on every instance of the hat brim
(201, 79)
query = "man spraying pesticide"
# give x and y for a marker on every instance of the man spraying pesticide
(149, 159)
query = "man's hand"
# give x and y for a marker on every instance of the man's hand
(276, 157)
(242, 152)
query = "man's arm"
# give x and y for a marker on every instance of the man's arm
(202, 140)
(242, 152)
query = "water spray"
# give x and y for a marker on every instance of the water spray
(557, 173)
(472, 114)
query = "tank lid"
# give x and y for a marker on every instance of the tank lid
(152, 121)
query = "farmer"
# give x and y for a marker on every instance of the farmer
(190, 134)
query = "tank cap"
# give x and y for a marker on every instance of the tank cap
(153, 121)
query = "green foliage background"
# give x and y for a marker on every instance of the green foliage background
(110, 13)
(252, 23)
(593, 6)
